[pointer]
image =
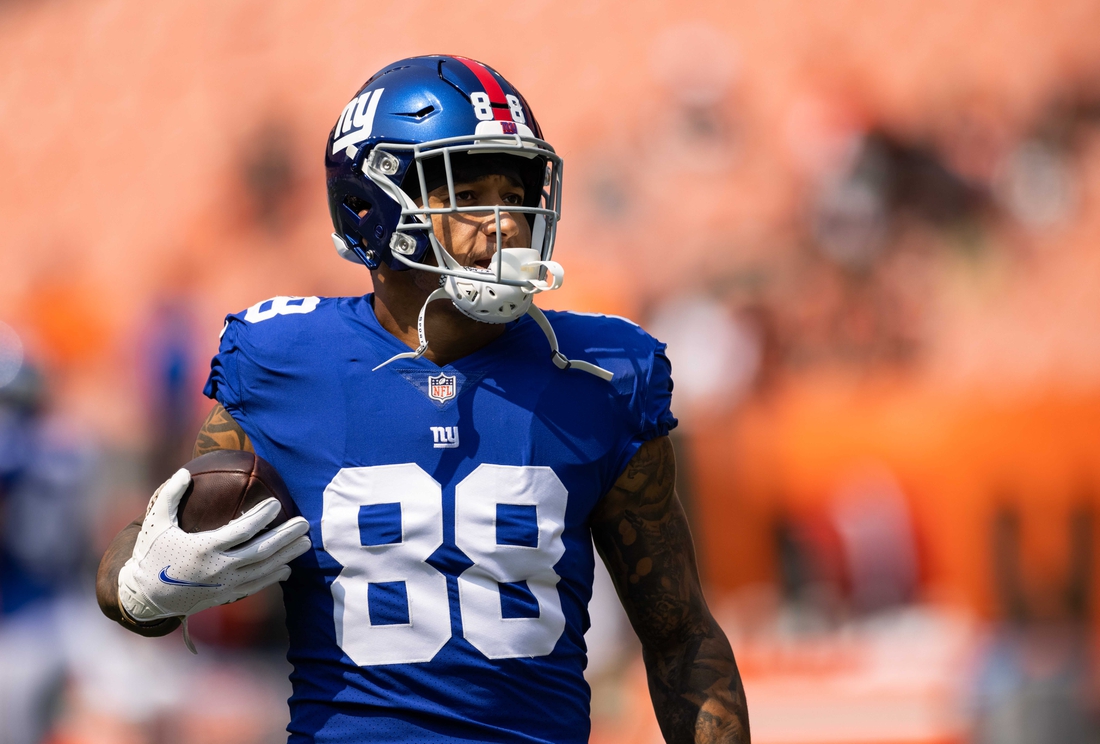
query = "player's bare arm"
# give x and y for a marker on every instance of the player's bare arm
(219, 431)
(641, 531)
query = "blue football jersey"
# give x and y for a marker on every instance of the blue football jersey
(445, 596)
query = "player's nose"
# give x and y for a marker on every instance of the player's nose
(508, 226)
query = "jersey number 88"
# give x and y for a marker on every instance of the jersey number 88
(382, 523)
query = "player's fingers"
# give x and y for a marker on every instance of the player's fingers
(270, 541)
(274, 562)
(247, 525)
(251, 587)
(166, 500)
(289, 553)
(292, 551)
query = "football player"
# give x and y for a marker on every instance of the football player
(454, 452)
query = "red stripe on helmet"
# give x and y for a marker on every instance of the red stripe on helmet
(491, 86)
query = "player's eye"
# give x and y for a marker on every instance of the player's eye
(514, 199)
(466, 195)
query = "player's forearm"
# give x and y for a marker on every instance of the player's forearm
(642, 534)
(696, 688)
(106, 584)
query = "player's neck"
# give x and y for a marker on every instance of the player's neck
(398, 297)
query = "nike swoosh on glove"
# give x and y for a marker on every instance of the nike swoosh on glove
(174, 573)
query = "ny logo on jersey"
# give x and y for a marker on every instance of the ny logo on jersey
(441, 387)
(444, 437)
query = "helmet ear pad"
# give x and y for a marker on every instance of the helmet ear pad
(366, 217)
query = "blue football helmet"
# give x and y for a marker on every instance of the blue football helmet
(413, 127)
(426, 122)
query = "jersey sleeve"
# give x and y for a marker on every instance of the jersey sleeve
(657, 418)
(651, 405)
(224, 382)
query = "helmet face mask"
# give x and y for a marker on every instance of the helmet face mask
(541, 208)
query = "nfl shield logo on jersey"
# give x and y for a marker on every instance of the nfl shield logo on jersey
(441, 388)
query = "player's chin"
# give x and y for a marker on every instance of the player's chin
(450, 309)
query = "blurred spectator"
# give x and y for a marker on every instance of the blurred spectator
(45, 481)
(11, 355)
(46, 476)
(879, 544)
(860, 555)
(172, 368)
(1036, 677)
(888, 179)
(715, 355)
(1037, 184)
(811, 572)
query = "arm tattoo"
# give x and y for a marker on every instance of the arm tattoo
(220, 432)
(640, 530)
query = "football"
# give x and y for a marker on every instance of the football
(224, 485)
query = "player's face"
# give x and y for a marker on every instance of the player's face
(471, 237)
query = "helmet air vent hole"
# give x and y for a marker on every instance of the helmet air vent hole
(360, 207)
(419, 114)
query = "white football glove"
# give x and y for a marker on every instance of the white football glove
(173, 573)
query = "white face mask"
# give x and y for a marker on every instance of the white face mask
(416, 219)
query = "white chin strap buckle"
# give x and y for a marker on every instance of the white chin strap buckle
(482, 299)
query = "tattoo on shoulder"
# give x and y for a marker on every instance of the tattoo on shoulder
(220, 432)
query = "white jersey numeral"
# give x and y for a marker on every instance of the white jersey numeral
(382, 523)
(478, 499)
(281, 306)
(419, 504)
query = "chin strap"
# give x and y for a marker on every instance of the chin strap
(560, 360)
(187, 637)
(439, 294)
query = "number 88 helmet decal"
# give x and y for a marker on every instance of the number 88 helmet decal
(425, 122)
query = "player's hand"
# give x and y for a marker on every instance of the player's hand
(173, 573)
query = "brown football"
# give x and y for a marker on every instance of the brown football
(224, 485)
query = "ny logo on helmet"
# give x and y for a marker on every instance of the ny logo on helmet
(356, 121)
(441, 387)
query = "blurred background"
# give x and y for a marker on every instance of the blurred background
(868, 232)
